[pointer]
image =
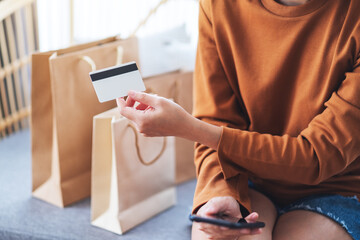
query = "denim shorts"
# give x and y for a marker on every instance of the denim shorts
(343, 210)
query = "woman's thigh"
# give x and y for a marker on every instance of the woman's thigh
(267, 214)
(302, 224)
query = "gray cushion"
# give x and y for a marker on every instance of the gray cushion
(24, 217)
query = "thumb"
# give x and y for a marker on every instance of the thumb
(214, 207)
(144, 98)
(253, 217)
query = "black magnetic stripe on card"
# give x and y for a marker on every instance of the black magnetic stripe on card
(114, 72)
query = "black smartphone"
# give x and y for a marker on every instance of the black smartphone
(220, 222)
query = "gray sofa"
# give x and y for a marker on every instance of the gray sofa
(24, 217)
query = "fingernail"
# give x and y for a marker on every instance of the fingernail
(245, 231)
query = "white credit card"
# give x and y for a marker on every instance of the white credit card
(113, 82)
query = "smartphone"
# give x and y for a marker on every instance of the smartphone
(220, 222)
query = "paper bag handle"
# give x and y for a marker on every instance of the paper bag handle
(138, 148)
(119, 57)
(89, 61)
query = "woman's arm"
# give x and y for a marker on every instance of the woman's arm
(158, 116)
(329, 144)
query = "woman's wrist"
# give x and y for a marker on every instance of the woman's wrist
(202, 132)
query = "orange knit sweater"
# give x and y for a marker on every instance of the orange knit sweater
(284, 82)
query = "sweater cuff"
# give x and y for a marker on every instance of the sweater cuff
(236, 187)
(228, 138)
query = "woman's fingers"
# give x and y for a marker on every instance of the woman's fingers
(120, 102)
(127, 106)
(127, 112)
(142, 107)
(143, 98)
(224, 232)
(130, 102)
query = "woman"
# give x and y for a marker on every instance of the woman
(277, 107)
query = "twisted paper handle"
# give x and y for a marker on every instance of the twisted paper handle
(89, 61)
(119, 58)
(138, 148)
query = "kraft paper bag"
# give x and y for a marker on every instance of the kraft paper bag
(132, 175)
(177, 86)
(63, 105)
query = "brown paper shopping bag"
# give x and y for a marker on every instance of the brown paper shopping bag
(63, 105)
(132, 175)
(177, 86)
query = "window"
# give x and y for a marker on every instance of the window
(64, 22)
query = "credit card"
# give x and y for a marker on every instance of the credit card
(113, 82)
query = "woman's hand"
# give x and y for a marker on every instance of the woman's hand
(158, 116)
(154, 115)
(229, 208)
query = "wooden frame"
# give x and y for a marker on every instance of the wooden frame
(18, 40)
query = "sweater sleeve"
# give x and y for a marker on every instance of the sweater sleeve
(216, 103)
(329, 144)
